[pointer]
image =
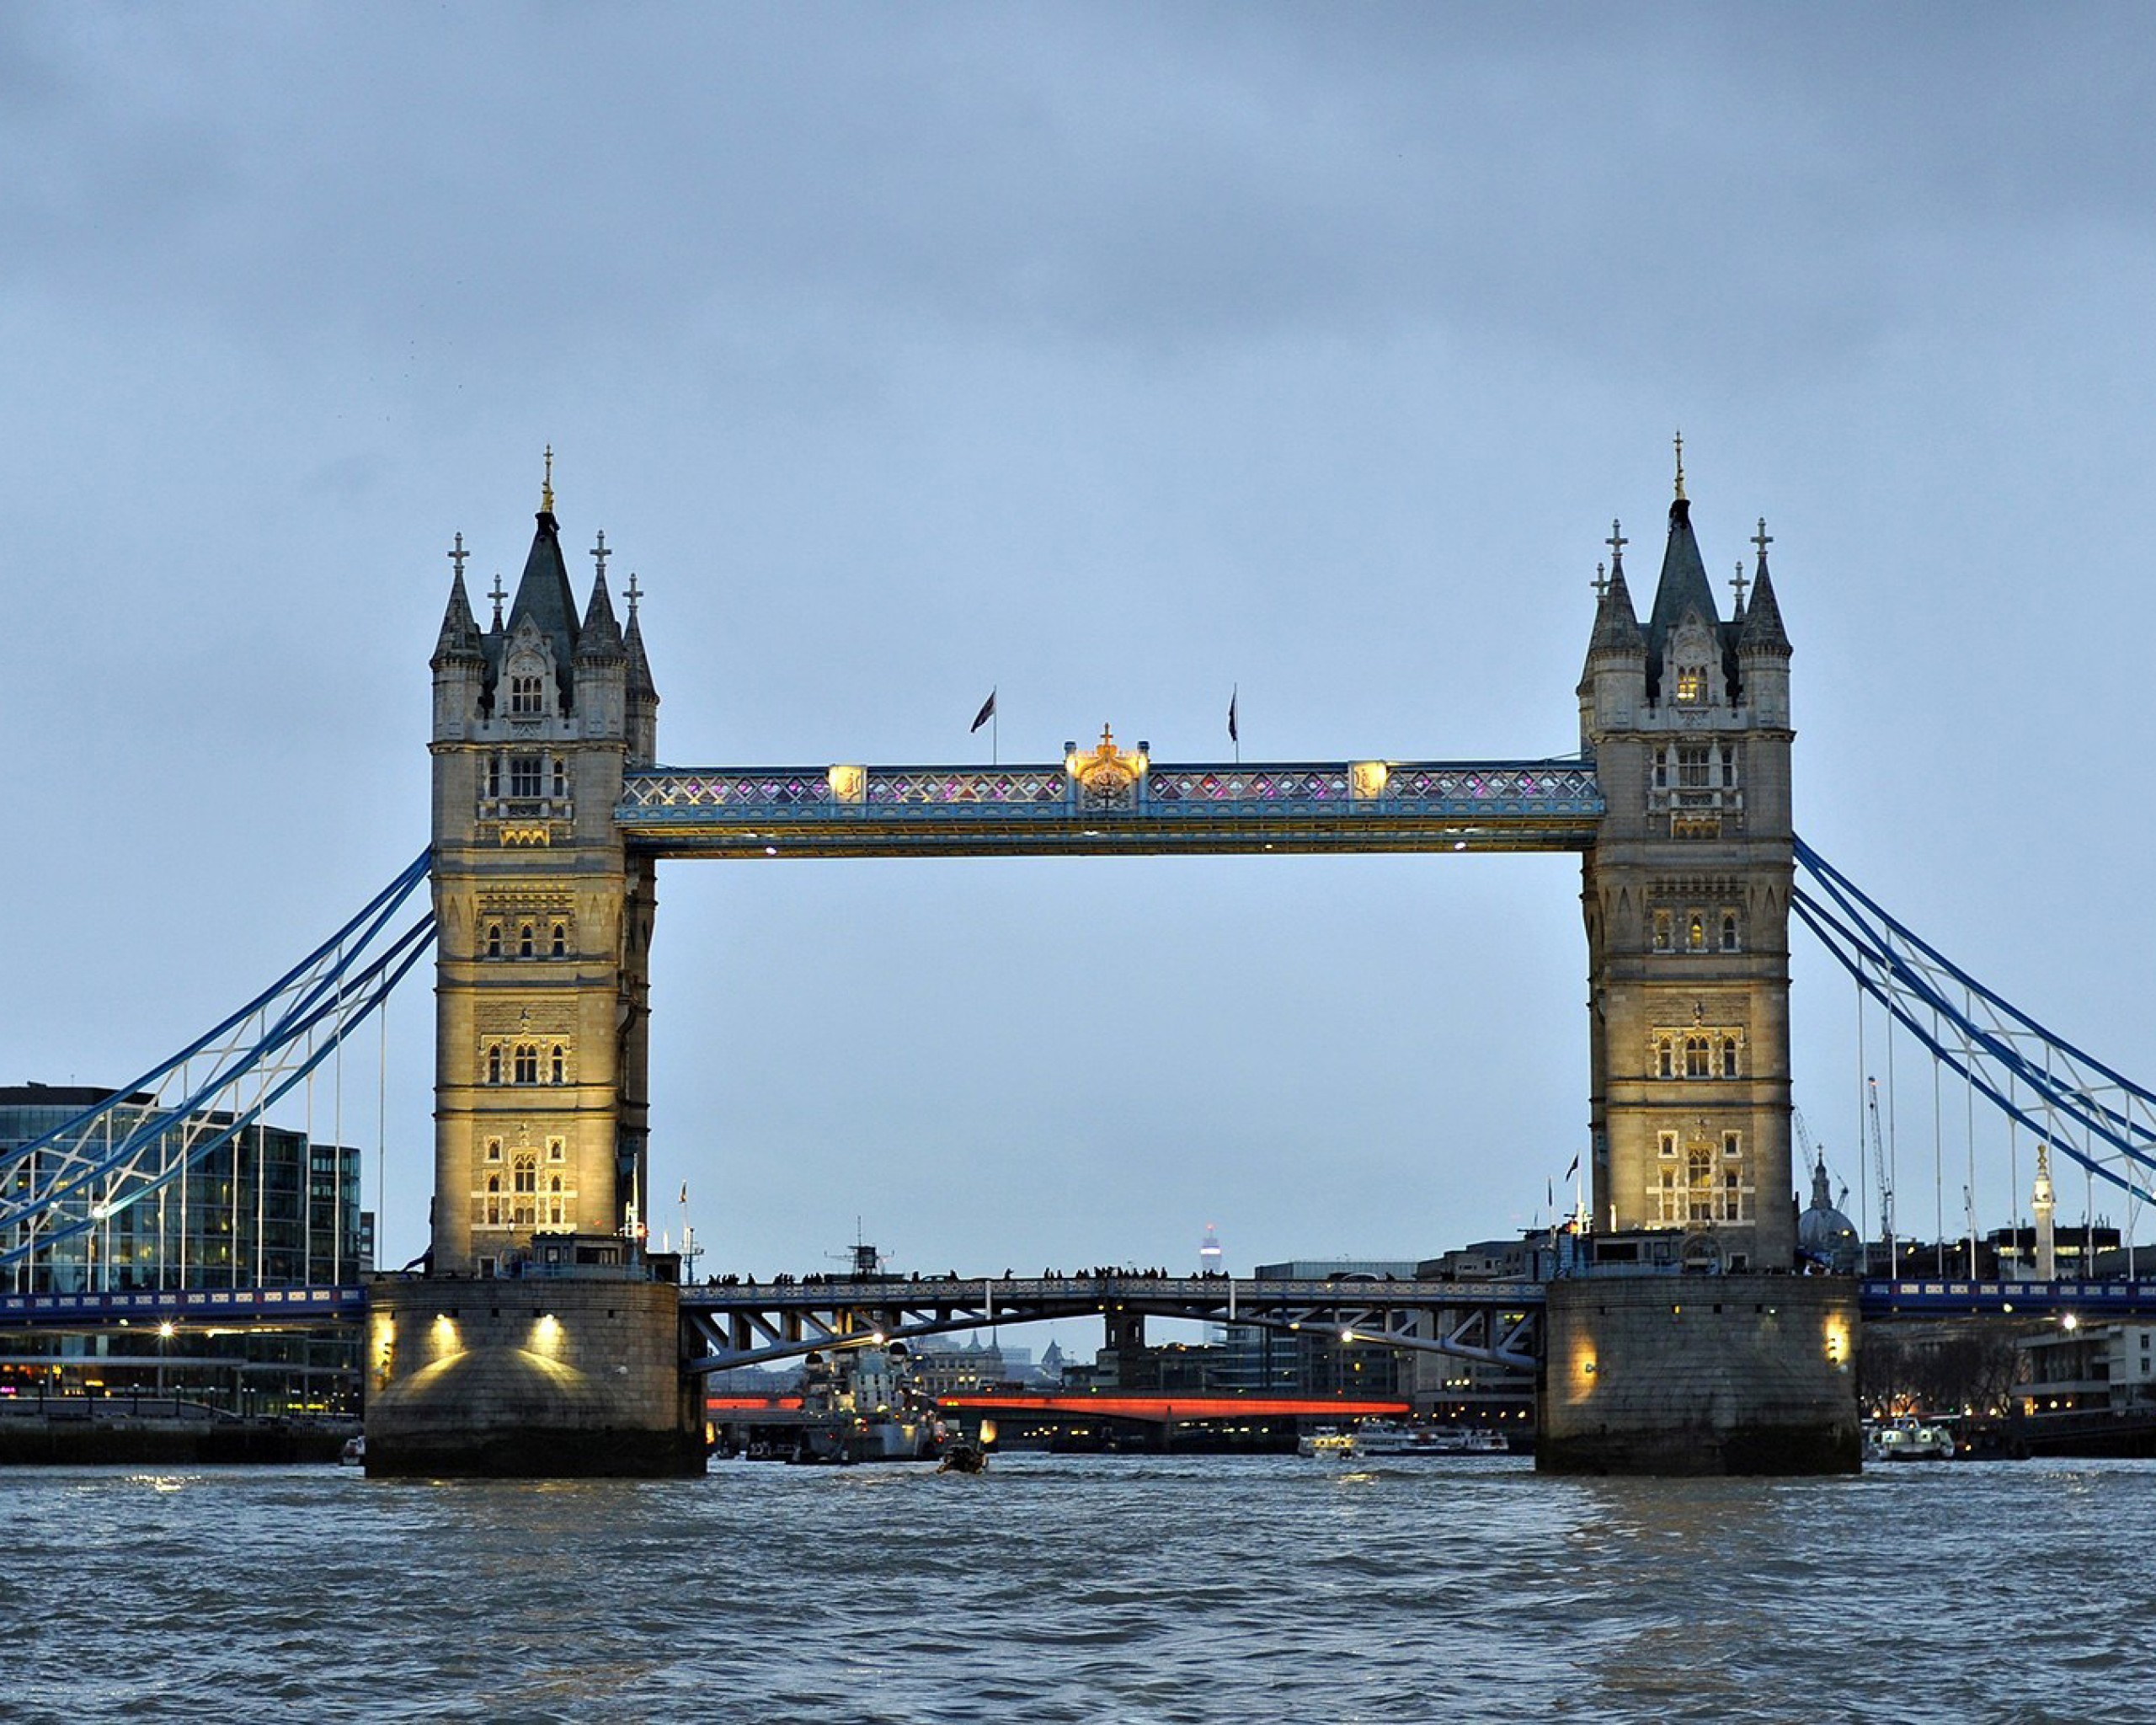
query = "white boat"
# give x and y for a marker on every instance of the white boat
(1327, 1442)
(354, 1452)
(1392, 1438)
(1906, 1440)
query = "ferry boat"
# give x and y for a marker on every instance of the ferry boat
(1906, 1440)
(1390, 1438)
(1327, 1442)
(864, 1404)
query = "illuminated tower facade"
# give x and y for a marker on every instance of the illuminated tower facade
(544, 919)
(1686, 897)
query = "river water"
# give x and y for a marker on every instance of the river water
(1084, 1588)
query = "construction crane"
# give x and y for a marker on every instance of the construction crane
(1886, 1184)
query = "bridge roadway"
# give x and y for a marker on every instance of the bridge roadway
(248, 1307)
(753, 1323)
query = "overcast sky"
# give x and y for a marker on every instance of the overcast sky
(1113, 357)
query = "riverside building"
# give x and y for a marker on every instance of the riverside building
(268, 1208)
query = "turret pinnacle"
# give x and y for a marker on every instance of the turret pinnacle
(459, 640)
(600, 638)
(1762, 631)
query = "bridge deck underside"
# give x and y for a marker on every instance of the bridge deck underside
(1339, 807)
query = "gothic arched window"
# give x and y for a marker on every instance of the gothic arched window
(1695, 1057)
(561, 940)
(493, 940)
(1729, 1057)
(494, 1064)
(558, 1065)
(527, 1063)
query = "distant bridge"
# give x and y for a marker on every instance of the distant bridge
(754, 1324)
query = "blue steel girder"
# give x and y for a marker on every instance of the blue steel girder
(1139, 810)
(753, 1324)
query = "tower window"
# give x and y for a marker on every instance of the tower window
(1729, 1057)
(553, 1149)
(561, 940)
(1662, 925)
(1696, 934)
(561, 777)
(524, 1176)
(1691, 684)
(1665, 1059)
(493, 940)
(1695, 1057)
(558, 1063)
(527, 1063)
(1666, 1144)
(524, 696)
(1661, 769)
(525, 937)
(494, 1200)
(1692, 768)
(1729, 930)
(524, 775)
(494, 1064)
(493, 774)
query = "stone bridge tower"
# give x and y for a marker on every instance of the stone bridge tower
(542, 967)
(1686, 897)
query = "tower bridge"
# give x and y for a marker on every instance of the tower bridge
(551, 810)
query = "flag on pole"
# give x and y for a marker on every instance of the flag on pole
(1574, 1169)
(1233, 735)
(987, 711)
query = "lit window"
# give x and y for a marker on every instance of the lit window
(1695, 934)
(1691, 684)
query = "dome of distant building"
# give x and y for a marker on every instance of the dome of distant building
(1824, 1233)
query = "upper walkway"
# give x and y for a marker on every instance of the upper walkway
(1107, 802)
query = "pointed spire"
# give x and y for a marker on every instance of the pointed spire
(459, 641)
(1762, 631)
(640, 681)
(1684, 584)
(543, 594)
(1616, 624)
(601, 636)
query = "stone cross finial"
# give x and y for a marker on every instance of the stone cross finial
(458, 555)
(1763, 538)
(1680, 465)
(547, 490)
(1601, 585)
(498, 595)
(1737, 583)
(599, 553)
(635, 592)
(1616, 541)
